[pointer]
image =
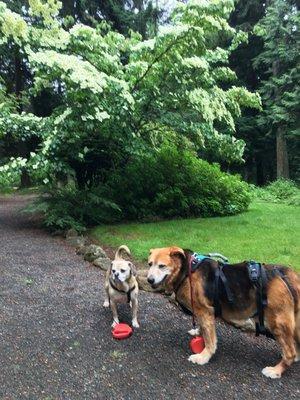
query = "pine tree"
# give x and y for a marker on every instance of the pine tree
(124, 15)
(280, 30)
(258, 151)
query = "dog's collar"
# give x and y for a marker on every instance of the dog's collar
(128, 293)
(196, 259)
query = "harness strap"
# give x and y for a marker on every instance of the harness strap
(261, 302)
(221, 278)
(217, 304)
(128, 293)
(191, 259)
(194, 263)
(258, 277)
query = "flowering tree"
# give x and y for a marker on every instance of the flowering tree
(125, 95)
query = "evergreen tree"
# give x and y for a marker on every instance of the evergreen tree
(258, 156)
(269, 63)
(124, 15)
(280, 91)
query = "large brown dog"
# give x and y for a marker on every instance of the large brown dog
(169, 268)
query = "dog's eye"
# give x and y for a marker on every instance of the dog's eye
(150, 264)
(161, 266)
(122, 270)
(113, 270)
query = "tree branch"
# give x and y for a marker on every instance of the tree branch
(156, 59)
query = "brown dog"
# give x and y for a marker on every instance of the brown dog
(169, 268)
(121, 286)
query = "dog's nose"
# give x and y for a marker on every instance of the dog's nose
(151, 280)
(117, 274)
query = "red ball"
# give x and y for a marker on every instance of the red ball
(121, 331)
(197, 344)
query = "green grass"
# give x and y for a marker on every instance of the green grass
(267, 232)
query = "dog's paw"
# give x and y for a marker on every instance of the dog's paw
(271, 372)
(201, 358)
(135, 324)
(106, 304)
(115, 322)
(194, 332)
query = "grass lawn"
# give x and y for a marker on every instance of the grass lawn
(266, 232)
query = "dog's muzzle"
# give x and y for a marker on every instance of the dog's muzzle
(116, 278)
(151, 281)
(154, 285)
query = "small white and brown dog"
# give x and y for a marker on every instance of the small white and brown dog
(121, 286)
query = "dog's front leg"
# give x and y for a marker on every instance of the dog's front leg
(114, 310)
(106, 288)
(106, 299)
(135, 323)
(206, 321)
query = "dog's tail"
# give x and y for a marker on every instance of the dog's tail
(122, 249)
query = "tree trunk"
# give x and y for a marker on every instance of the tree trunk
(259, 170)
(281, 147)
(68, 8)
(22, 146)
(18, 79)
(282, 155)
(25, 179)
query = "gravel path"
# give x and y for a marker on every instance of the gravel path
(55, 340)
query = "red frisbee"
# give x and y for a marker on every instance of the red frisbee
(197, 344)
(121, 331)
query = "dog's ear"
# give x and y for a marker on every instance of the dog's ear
(122, 249)
(132, 268)
(110, 267)
(177, 252)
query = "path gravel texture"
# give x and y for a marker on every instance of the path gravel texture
(55, 337)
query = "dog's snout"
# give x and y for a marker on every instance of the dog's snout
(151, 280)
(117, 274)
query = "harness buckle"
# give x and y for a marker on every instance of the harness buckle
(196, 260)
(194, 263)
(254, 271)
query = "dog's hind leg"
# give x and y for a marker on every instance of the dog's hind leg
(283, 327)
(245, 325)
(206, 321)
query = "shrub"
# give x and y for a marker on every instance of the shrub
(280, 191)
(68, 207)
(8, 180)
(175, 183)
(164, 184)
